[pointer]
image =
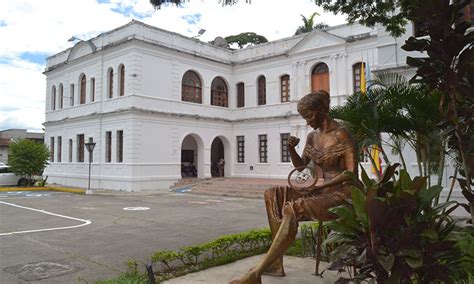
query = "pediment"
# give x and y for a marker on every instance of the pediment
(81, 49)
(315, 40)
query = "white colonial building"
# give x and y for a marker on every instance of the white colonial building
(154, 101)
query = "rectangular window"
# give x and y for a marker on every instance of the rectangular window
(285, 154)
(363, 155)
(240, 149)
(285, 88)
(92, 89)
(119, 146)
(70, 151)
(240, 95)
(108, 146)
(60, 148)
(356, 76)
(262, 148)
(80, 148)
(71, 95)
(51, 149)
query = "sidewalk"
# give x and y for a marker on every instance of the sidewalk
(298, 271)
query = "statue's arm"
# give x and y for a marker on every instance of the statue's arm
(296, 159)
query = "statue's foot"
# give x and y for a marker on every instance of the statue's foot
(275, 270)
(274, 273)
(250, 278)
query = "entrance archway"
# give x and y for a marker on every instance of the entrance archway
(217, 153)
(191, 156)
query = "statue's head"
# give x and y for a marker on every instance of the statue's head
(317, 101)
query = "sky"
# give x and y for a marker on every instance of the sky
(32, 30)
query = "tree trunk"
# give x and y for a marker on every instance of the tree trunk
(442, 160)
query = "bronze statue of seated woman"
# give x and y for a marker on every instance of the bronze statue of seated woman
(333, 151)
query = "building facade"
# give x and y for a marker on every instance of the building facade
(159, 105)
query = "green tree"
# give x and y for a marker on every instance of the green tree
(27, 158)
(245, 39)
(309, 24)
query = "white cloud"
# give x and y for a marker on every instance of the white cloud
(32, 26)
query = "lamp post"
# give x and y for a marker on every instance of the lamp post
(90, 148)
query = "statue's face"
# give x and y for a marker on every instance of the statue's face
(313, 118)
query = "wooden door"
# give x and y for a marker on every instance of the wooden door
(320, 82)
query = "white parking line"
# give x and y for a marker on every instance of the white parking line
(85, 222)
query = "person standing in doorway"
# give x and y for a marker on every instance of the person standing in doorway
(221, 165)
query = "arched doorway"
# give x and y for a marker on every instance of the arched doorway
(217, 154)
(189, 157)
(320, 78)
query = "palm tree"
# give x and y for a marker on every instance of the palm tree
(405, 112)
(309, 24)
(418, 108)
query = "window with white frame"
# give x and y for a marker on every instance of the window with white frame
(263, 148)
(241, 149)
(285, 154)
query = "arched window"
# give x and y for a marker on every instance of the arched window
(285, 88)
(82, 91)
(122, 80)
(53, 98)
(61, 96)
(320, 78)
(219, 96)
(191, 88)
(262, 90)
(92, 89)
(71, 95)
(110, 83)
(356, 76)
(240, 94)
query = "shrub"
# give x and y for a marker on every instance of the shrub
(220, 251)
(392, 232)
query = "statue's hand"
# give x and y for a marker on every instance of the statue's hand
(293, 141)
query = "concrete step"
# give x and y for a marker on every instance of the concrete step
(257, 194)
(186, 181)
(227, 186)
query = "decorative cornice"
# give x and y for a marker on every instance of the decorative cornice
(286, 115)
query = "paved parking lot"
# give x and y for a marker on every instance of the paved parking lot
(55, 237)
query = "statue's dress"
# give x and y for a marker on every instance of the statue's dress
(315, 205)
